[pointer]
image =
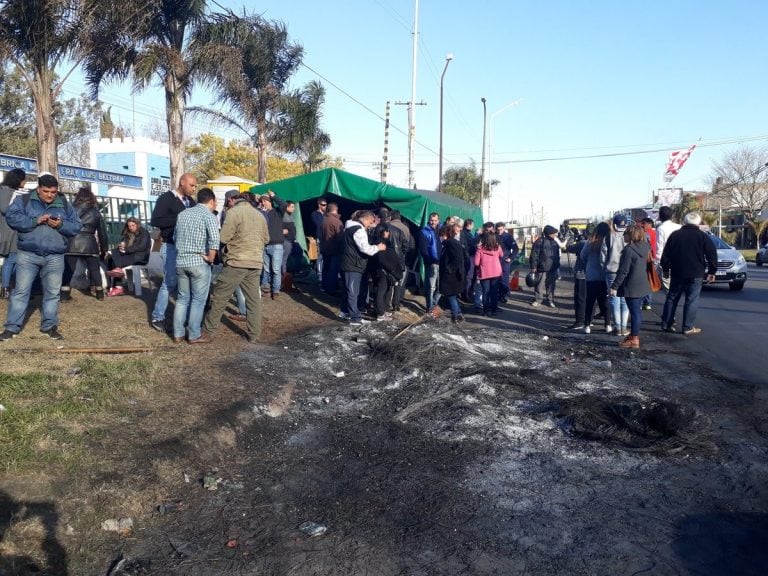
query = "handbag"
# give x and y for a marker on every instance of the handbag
(653, 275)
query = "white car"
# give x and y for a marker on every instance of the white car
(731, 265)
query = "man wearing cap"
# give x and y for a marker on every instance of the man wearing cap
(273, 209)
(688, 253)
(45, 221)
(545, 262)
(616, 304)
(244, 236)
(315, 236)
(167, 209)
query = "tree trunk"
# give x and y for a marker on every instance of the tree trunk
(174, 116)
(262, 149)
(45, 129)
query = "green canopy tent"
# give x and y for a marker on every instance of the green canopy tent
(354, 192)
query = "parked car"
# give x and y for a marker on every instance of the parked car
(731, 265)
(762, 255)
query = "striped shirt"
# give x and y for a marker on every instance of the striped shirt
(197, 231)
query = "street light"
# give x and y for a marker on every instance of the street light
(490, 147)
(482, 161)
(448, 59)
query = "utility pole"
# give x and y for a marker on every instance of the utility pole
(482, 162)
(412, 104)
(411, 132)
(385, 159)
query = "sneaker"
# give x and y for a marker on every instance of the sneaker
(608, 329)
(359, 322)
(667, 328)
(552, 305)
(647, 307)
(384, 317)
(65, 296)
(587, 330)
(458, 319)
(53, 333)
(534, 304)
(693, 330)
(7, 335)
(158, 325)
(343, 315)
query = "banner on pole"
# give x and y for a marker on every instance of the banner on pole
(675, 162)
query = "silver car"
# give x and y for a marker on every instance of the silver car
(731, 265)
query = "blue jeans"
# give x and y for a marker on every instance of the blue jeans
(617, 304)
(506, 269)
(271, 275)
(28, 266)
(349, 304)
(691, 287)
(331, 266)
(8, 267)
(453, 304)
(194, 283)
(635, 306)
(169, 285)
(431, 274)
(490, 294)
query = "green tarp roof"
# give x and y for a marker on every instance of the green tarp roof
(414, 205)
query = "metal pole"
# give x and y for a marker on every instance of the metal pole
(412, 103)
(482, 162)
(448, 59)
(386, 146)
(490, 149)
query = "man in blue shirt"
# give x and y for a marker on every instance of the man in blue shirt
(196, 238)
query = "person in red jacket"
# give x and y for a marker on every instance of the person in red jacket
(488, 271)
(650, 234)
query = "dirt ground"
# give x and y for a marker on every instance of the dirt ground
(500, 446)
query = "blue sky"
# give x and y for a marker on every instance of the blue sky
(594, 78)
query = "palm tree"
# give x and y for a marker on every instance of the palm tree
(249, 75)
(38, 36)
(150, 40)
(299, 130)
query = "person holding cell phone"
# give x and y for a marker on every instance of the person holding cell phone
(45, 221)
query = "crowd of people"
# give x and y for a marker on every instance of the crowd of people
(612, 272)
(366, 261)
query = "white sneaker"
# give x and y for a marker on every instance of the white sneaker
(587, 330)
(343, 315)
(608, 329)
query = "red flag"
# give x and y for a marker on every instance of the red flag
(676, 161)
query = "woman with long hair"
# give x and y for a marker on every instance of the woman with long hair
(632, 281)
(592, 258)
(133, 248)
(11, 186)
(88, 246)
(488, 269)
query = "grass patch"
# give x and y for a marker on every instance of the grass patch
(45, 413)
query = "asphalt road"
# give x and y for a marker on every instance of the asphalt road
(734, 337)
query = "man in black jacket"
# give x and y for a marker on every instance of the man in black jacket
(273, 209)
(545, 261)
(167, 209)
(688, 252)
